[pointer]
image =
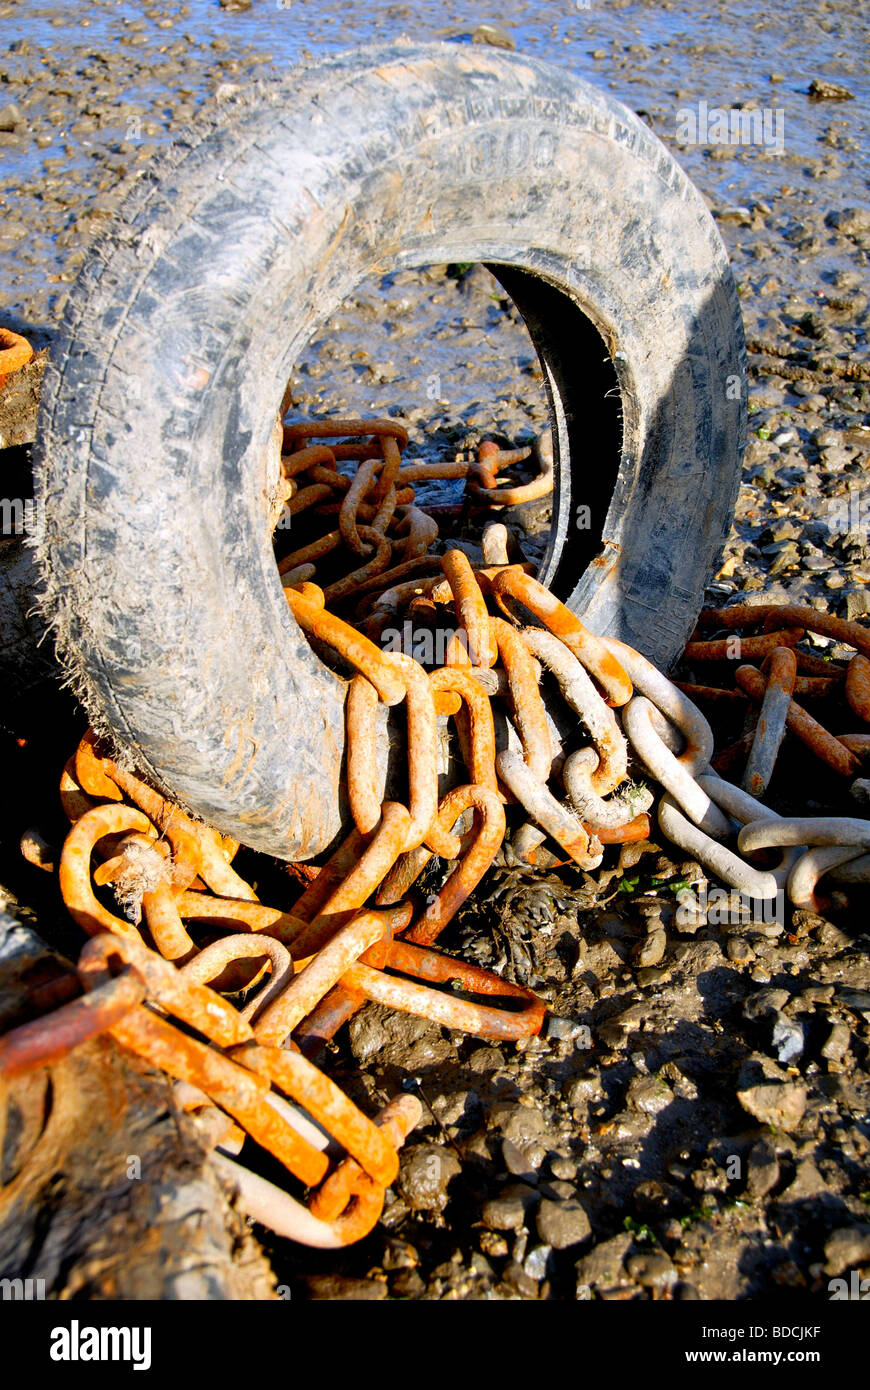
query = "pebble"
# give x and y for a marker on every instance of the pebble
(778, 1103)
(520, 1123)
(836, 1045)
(650, 975)
(562, 1224)
(603, 1266)
(338, 1287)
(494, 36)
(848, 1245)
(788, 1038)
(10, 117)
(652, 1271)
(493, 1244)
(856, 1000)
(807, 1182)
(564, 1169)
(425, 1174)
(762, 1169)
(538, 1262)
(649, 1094)
(764, 1001)
(507, 1211)
(651, 950)
(408, 1283)
(522, 1164)
(737, 948)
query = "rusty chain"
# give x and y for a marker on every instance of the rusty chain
(354, 932)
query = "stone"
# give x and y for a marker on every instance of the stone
(521, 1163)
(493, 1244)
(738, 949)
(563, 1169)
(832, 937)
(848, 1245)
(562, 1224)
(485, 1059)
(603, 1266)
(820, 90)
(648, 1094)
(857, 1001)
(652, 1271)
(425, 1174)
(857, 604)
(537, 1262)
(764, 1001)
(762, 1169)
(494, 36)
(836, 1045)
(582, 1091)
(408, 1283)
(522, 1124)
(651, 975)
(515, 1276)
(507, 1211)
(807, 1182)
(651, 950)
(788, 1038)
(10, 117)
(778, 1103)
(339, 1287)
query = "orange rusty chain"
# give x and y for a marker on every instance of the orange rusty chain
(380, 494)
(289, 977)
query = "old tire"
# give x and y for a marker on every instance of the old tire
(182, 330)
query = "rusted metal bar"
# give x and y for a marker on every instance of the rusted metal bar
(480, 758)
(559, 821)
(296, 1001)
(470, 608)
(749, 648)
(528, 707)
(443, 1008)
(825, 746)
(590, 650)
(358, 650)
(858, 686)
(580, 694)
(334, 593)
(671, 771)
(789, 615)
(303, 459)
(770, 729)
(75, 866)
(341, 429)
(212, 960)
(488, 835)
(47, 1039)
(483, 485)
(299, 1079)
(353, 892)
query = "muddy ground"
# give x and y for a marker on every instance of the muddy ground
(646, 1155)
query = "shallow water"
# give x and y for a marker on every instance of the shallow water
(89, 79)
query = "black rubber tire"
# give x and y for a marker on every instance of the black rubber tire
(182, 331)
